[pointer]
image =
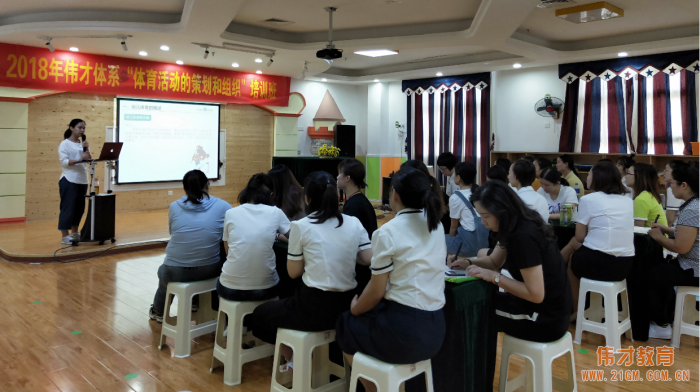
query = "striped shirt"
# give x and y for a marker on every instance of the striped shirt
(688, 216)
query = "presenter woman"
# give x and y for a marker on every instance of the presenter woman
(73, 183)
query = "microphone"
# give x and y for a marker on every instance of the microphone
(84, 148)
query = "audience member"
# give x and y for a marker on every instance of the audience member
(535, 184)
(437, 190)
(672, 203)
(467, 233)
(446, 163)
(623, 163)
(504, 163)
(287, 194)
(565, 166)
(556, 191)
(521, 176)
(497, 173)
(644, 181)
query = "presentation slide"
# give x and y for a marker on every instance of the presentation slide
(164, 140)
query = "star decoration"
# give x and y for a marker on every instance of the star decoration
(627, 74)
(649, 72)
(570, 79)
(481, 85)
(672, 70)
(696, 68)
(588, 77)
(607, 76)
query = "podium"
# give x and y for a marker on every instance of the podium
(100, 220)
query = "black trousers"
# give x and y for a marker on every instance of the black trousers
(661, 280)
(72, 204)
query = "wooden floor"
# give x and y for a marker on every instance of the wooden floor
(37, 241)
(83, 327)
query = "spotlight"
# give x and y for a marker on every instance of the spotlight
(143, 53)
(124, 43)
(206, 52)
(234, 65)
(49, 46)
(438, 74)
(258, 60)
(258, 72)
(179, 62)
(164, 47)
(622, 54)
(324, 80)
(376, 80)
(269, 62)
(73, 49)
(517, 65)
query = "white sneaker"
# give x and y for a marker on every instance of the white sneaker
(76, 236)
(68, 240)
(657, 332)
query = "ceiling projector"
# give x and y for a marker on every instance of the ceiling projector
(329, 53)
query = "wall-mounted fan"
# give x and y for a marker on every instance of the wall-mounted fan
(549, 107)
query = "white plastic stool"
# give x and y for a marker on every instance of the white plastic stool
(388, 377)
(591, 319)
(686, 314)
(180, 327)
(233, 356)
(538, 359)
(310, 368)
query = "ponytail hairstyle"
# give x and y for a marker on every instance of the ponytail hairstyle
(625, 161)
(258, 190)
(195, 183)
(552, 175)
(467, 173)
(434, 184)
(73, 123)
(355, 170)
(413, 187)
(320, 188)
(569, 161)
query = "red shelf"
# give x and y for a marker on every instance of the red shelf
(322, 133)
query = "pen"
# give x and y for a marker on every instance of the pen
(657, 218)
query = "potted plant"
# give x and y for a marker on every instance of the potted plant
(328, 152)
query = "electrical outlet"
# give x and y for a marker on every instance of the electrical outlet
(546, 125)
(170, 193)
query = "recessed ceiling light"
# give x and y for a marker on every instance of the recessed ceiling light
(179, 62)
(258, 72)
(73, 49)
(622, 54)
(438, 74)
(258, 60)
(517, 65)
(376, 80)
(324, 80)
(234, 65)
(143, 53)
(590, 12)
(377, 52)
(165, 47)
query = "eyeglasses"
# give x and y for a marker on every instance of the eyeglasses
(629, 174)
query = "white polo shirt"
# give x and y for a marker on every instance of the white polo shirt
(566, 195)
(451, 187)
(69, 151)
(534, 201)
(459, 210)
(610, 221)
(414, 259)
(250, 230)
(329, 252)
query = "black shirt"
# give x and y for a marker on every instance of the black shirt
(527, 248)
(359, 206)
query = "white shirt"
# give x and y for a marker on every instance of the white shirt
(630, 191)
(250, 231)
(566, 195)
(329, 252)
(459, 210)
(69, 151)
(610, 220)
(534, 201)
(672, 203)
(451, 187)
(414, 258)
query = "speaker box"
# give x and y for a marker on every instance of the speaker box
(344, 139)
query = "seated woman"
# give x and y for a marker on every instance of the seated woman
(323, 250)
(565, 166)
(541, 164)
(194, 251)
(521, 176)
(672, 203)
(644, 180)
(437, 190)
(467, 233)
(623, 164)
(351, 178)
(603, 247)
(556, 191)
(536, 303)
(398, 318)
(287, 194)
(250, 230)
(682, 270)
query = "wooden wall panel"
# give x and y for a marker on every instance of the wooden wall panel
(249, 132)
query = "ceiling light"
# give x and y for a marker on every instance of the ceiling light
(73, 49)
(206, 52)
(590, 12)
(377, 52)
(324, 80)
(517, 65)
(258, 60)
(376, 80)
(622, 54)
(234, 65)
(179, 62)
(165, 47)
(143, 53)
(269, 63)
(124, 43)
(258, 72)
(438, 74)
(49, 46)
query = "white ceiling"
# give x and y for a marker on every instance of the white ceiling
(467, 35)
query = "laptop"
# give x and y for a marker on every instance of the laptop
(110, 152)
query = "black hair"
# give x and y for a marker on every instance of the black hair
(466, 172)
(504, 163)
(434, 184)
(447, 159)
(626, 161)
(524, 172)
(530, 158)
(413, 187)
(355, 169)
(646, 178)
(543, 163)
(506, 206)
(687, 174)
(676, 163)
(320, 188)
(194, 182)
(497, 173)
(607, 179)
(74, 122)
(569, 161)
(552, 175)
(287, 193)
(258, 190)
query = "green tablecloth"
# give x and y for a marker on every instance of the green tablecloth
(302, 166)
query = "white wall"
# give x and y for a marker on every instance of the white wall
(351, 100)
(386, 104)
(513, 119)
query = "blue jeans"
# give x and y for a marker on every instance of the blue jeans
(168, 273)
(472, 242)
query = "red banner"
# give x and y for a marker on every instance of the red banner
(38, 68)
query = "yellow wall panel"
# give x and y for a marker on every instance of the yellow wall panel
(12, 184)
(13, 115)
(11, 207)
(13, 162)
(13, 139)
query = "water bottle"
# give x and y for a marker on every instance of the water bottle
(97, 186)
